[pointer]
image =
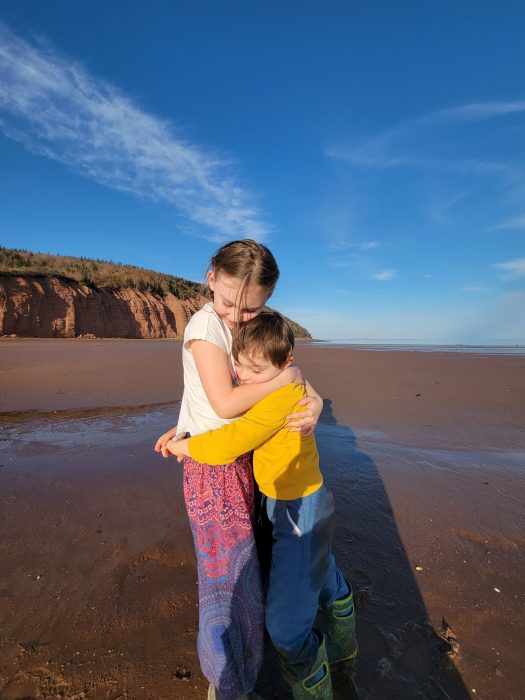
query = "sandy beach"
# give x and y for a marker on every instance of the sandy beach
(425, 453)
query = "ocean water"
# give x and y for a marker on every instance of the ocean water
(488, 347)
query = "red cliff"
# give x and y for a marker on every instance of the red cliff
(50, 307)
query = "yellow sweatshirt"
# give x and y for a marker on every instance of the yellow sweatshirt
(285, 464)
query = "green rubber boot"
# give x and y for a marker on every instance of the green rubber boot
(339, 619)
(318, 685)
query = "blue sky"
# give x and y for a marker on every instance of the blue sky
(377, 148)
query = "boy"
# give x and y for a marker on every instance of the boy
(303, 572)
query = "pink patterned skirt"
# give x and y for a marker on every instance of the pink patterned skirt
(220, 501)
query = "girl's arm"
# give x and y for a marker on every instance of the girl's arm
(305, 421)
(226, 400)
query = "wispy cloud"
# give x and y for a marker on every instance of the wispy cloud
(439, 210)
(385, 275)
(338, 262)
(517, 222)
(390, 148)
(344, 253)
(344, 292)
(55, 108)
(338, 246)
(513, 269)
(475, 290)
(474, 112)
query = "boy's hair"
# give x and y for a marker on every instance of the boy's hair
(267, 335)
(248, 261)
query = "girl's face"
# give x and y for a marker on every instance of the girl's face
(226, 302)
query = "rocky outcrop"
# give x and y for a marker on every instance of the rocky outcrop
(51, 307)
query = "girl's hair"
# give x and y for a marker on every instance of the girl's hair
(249, 262)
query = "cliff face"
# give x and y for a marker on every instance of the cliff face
(49, 307)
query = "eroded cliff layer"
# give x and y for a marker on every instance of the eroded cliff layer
(50, 307)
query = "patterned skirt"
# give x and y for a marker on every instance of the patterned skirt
(220, 503)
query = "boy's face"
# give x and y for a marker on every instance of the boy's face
(256, 370)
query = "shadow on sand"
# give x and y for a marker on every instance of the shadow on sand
(401, 656)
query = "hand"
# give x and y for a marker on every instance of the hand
(305, 421)
(161, 442)
(177, 448)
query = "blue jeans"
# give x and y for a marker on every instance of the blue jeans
(303, 574)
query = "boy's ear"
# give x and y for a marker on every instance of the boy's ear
(290, 361)
(211, 279)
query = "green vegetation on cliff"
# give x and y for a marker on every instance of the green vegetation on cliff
(95, 273)
(104, 274)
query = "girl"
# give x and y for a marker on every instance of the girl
(220, 499)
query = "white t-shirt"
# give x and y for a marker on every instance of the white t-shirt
(196, 414)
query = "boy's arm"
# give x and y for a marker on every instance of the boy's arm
(248, 432)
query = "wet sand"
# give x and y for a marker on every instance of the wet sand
(425, 453)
